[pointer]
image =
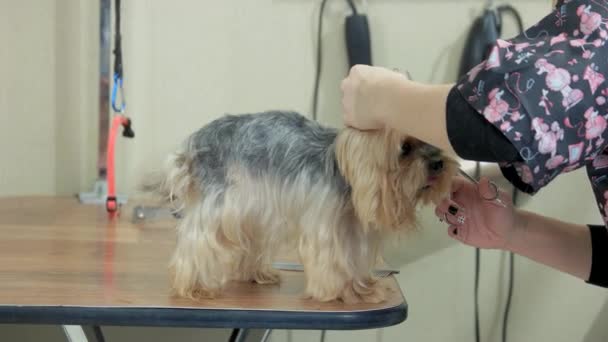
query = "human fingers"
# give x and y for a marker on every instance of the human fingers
(347, 102)
(458, 232)
(458, 183)
(356, 71)
(344, 85)
(451, 212)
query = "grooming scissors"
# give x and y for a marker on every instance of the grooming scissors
(494, 199)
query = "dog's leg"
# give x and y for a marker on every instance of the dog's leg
(364, 288)
(339, 266)
(256, 266)
(242, 226)
(193, 273)
(263, 273)
(204, 258)
(362, 251)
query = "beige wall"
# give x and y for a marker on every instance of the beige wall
(27, 97)
(186, 63)
(48, 69)
(76, 89)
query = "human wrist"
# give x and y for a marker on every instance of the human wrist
(415, 109)
(397, 103)
(420, 102)
(430, 110)
(517, 236)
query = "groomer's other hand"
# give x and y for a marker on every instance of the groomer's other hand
(368, 93)
(486, 224)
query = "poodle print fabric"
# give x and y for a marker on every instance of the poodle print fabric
(546, 90)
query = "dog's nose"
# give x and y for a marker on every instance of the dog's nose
(436, 166)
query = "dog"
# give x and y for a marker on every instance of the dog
(246, 185)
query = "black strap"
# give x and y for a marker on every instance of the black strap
(474, 138)
(117, 43)
(599, 259)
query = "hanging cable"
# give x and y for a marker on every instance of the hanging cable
(477, 259)
(511, 10)
(505, 320)
(486, 29)
(315, 96)
(352, 6)
(319, 59)
(505, 317)
(477, 267)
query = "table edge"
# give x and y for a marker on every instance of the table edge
(204, 318)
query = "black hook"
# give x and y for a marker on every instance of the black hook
(127, 130)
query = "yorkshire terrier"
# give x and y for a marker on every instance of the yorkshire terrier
(246, 185)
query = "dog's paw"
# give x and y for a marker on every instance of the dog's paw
(267, 276)
(195, 294)
(368, 291)
(352, 292)
(377, 295)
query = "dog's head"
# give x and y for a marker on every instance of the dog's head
(390, 174)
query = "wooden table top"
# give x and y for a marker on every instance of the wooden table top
(62, 262)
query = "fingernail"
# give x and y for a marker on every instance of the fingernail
(452, 210)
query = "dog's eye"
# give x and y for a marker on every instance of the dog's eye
(406, 149)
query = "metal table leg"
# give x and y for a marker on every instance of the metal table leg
(78, 333)
(266, 335)
(74, 333)
(243, 335)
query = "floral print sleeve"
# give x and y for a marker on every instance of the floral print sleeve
(546, 91)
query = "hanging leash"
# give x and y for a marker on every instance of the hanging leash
(118, 75)
(119, 119)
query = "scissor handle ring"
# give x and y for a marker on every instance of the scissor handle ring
(496, 193)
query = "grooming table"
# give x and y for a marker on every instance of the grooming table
(65, 263)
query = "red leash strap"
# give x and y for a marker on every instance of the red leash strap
(117, 121)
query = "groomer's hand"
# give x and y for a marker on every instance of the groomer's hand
(486, 224)
(368, 94)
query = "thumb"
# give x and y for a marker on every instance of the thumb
(459, 233)
(486, 189)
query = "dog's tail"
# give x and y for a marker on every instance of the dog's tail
(173, 184)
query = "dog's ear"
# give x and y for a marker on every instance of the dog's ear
(371, 167)
(397, 199)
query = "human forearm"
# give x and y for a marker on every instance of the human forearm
(420, 111)
(560, 245)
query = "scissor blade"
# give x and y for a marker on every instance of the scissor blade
(467, 176)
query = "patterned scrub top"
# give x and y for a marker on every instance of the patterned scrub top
(546, 91)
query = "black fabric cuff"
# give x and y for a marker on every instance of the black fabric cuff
(472, 137)
(599, 260)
